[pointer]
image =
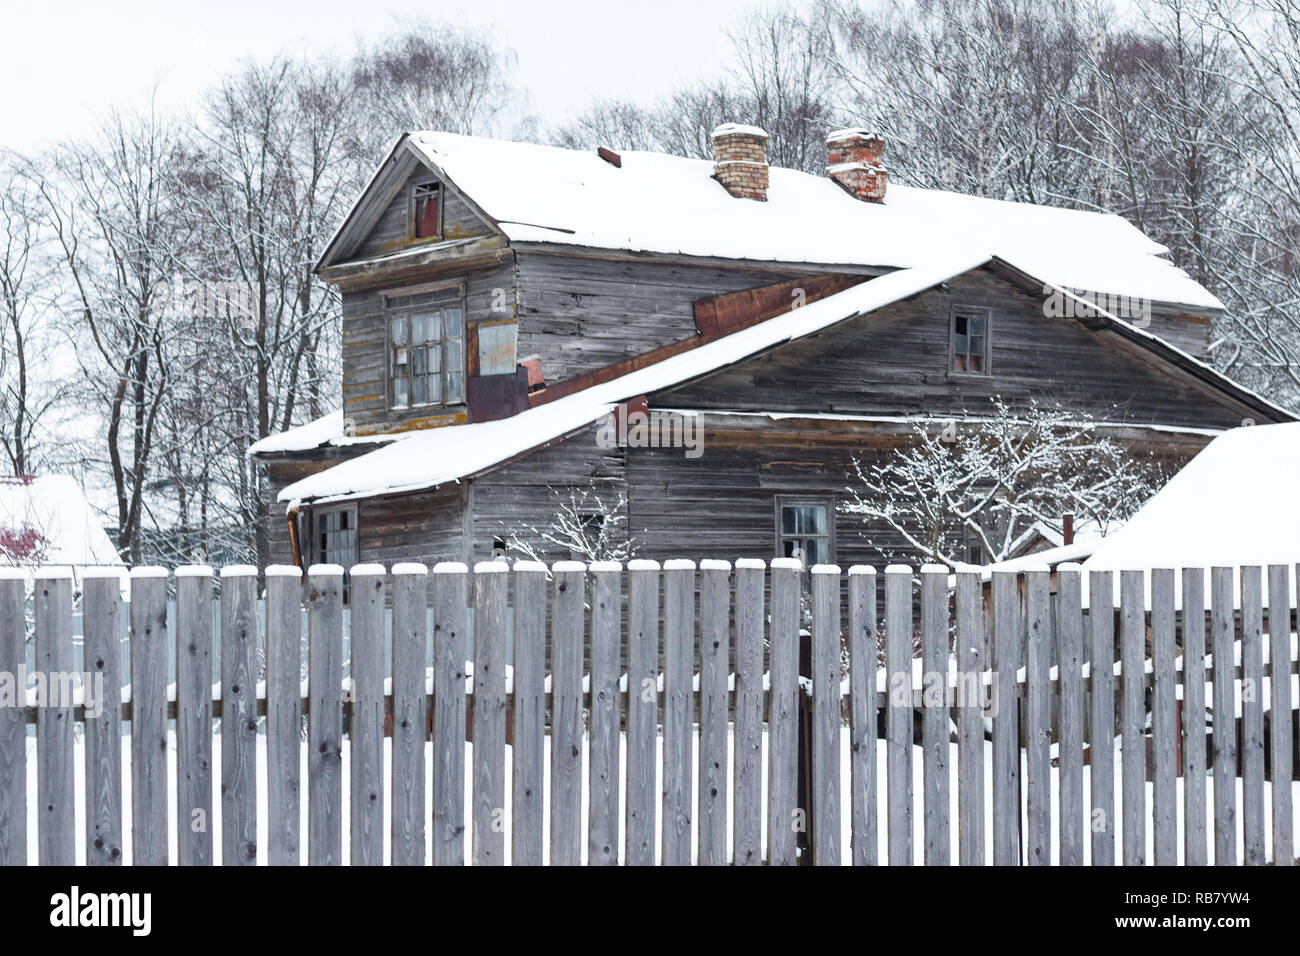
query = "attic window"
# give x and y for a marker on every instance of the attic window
(969, 342)
(427, 211)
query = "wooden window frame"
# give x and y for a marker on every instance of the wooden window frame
(411, 208)
(314, 552)
(435, 296)
(971, 310)
(821, 501)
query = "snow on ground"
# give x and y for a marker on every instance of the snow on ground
(881, 797)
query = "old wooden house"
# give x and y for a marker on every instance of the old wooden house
(710, 342)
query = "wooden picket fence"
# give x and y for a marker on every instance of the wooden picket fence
(709, 797)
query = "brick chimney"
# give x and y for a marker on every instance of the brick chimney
(855, 163)
(740, 160)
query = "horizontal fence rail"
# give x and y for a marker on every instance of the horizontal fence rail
(675, 714)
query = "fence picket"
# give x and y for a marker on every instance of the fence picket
(679, 658)
(642, 705)
(366, 722)
(101, 603)
(1163, 719)
(970, 730)
(747, 802)
(193, 715)
(1038, 742)
(239, 716)
(451, 600)
(1279, 670)
(410, 712)
(566, 712)
(1223, 718)
(1101, 725)
(148, 716)
(284, 714)
(783, 714)
(325, 716)
(1252, 716)
(13, 722)
(826, 715)
(55, 837)
(1006, 723)
(715, 644)
(1133, 747)
(1195, 852)
(899, 691)
(1069, 636)
(934, 713)
(527, 830)
(487, 836)
(603, 761)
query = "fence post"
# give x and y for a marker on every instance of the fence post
(900, 692)
(747, 777)
(568, 599)
(1279, 669)
(1194, 843)
(603, 769)
(783, 714)
(826, 715)
(325, 716)
(148, 716)
(715, 643)
(13, 720)
(679, 661)
(1101, 731)
(54, 717)
(194, 844)
(527, 831)
(934, 713)
(451, 598)
(1252, 716)
(366, 724)
(1038, 742)
(410, 718)
(642, 697)
(1223, 716)
(1069, 668)
(1006, 749)
(1163, 719)
(970, 732)
(487, 838)
(284, 713)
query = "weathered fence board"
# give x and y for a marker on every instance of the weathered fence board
(1006, 724)
(715, 644)
(239, 716)
(1164, 725)
(566, 712)
(410, 712)
(679, 656)
(101, 603)
(1280, 729)
(325, 717)
(1038, 742)
(194, 844)
(603, 761)
(527, 831)
(642, 708)
(366, 720)
(1195, 851)
(783, 813)
(1101, 726)
(451, 599)
(747, 779)
(284, 598)
(934, 713)
(487, 834)
(148, 716)
(1133, 748)
(1252, 716)
(970, 727)
(1069, 656)
(54, 755)
(862, 715)
(826, 714)
(13, 724)
(1225, 731)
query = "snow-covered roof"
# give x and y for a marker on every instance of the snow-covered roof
(425, 459)
(46, 520)
(1234, 504)
(325, 432)
(672, 205)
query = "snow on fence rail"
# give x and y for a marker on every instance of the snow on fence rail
(679, 767)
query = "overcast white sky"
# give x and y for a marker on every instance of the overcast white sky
(61, 63)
